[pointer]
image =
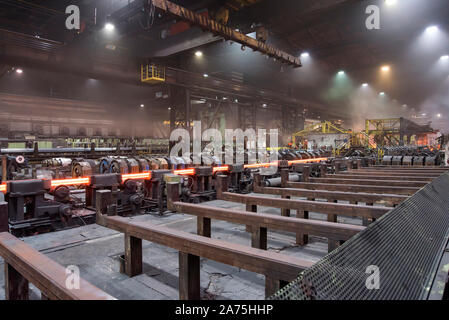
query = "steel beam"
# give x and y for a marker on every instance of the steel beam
(311, 206)
(226, 32)
(336, 231)
(367, 182)
(390, 199)
(353, 188)
(353, 175)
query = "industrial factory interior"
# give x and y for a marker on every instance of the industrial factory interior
(239, 151)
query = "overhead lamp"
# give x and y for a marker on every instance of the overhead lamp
(432, 29)
(341, 72)
(382, 93)
(142, 105)
(264, 105)
(365, 85)
(199, 53)
(19, 71)
(439, 115)
(404, 105)
(385, 68)
(423, 114)
(236, 100)
(169, 108)
(305, 55)
(445, 57)
(205, 75)
(390, 2)
(109, 26)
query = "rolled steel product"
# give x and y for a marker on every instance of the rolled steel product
(276, 182)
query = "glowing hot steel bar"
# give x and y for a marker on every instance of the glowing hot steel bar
(3, 188)
(185, 171)
(135, 176)
(307, 160)
(69, 182)
(219, 169)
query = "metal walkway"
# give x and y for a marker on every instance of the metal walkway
(409, 245)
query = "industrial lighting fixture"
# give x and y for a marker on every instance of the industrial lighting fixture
(341, 72)
(305, 55)
(199, 54)
(439, 115)
(264, 105)
(19, 71)
(205, 75)
(385, 68)
(423, 114)
(365, 85)
(142, 105)
(109, 26)
(445, 57)
(236, 100)
(432, 29)
(404, 105)
(390, 2)
(382, 93)
(169, 108)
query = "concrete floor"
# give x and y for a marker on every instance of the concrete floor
(96, 250)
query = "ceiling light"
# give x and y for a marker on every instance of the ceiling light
(169, 108)
(432, 29)
(385, 68)
(365, 85)
(445, 57)
(305, 55)
(382, 93)
(199, 54)
(439, 115)
(205, 75)
(19, 71)
(423, 114)
(142, 105)
(264, 105)
(236, 100)
(404, 105)
(109, 26)
(341, 72)
(390, 2)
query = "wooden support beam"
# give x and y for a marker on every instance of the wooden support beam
(353, 188)
(391, 182)
(338, 231)
(314, 206)
(189, 277)
(16, 285)
(4, 223)
(133, 256)
(271, 264)
(204, 226)
(389, 199)
(47, 275)
(355, 175)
